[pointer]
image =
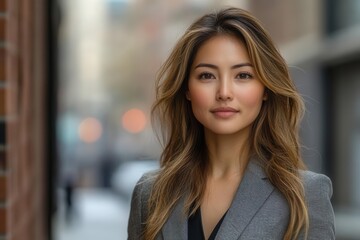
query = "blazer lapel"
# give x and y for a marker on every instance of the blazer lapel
(253, 191)
(175, 228)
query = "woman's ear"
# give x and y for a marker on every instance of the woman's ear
(265, 96)
(187, 94)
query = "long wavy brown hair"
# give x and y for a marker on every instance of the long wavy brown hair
(274, 135)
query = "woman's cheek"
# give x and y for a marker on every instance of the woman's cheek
(200, 97)
(252, 97)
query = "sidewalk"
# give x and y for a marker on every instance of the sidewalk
(99, 214)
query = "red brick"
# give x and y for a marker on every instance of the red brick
(3, 220)
(3, 182)
(3, 5)
(2, 28)
(2, 64)
(2, 102)
(2, 160)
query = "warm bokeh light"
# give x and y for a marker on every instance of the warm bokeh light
(90, 130)
(134, 120)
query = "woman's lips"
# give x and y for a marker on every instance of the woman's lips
(224, 112)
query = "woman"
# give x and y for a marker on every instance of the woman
(231, 165)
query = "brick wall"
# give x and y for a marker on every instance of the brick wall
(22, 120)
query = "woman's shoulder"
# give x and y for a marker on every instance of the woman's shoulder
(318, 192)
(141, 195)
(145, 183)
(314, 183)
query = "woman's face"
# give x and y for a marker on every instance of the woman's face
(223, 89)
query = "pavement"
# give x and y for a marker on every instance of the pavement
(98, 214)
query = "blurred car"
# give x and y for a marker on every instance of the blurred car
(128, 173)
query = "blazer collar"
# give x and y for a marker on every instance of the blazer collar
(252, 192)
(175, 228)
(256, 166)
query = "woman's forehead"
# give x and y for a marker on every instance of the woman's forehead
(222, 50)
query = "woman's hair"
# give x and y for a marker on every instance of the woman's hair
(274, 133)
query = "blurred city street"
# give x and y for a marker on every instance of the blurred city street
(98, 214)
(77, 85)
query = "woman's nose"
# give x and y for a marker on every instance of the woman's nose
(224, 92)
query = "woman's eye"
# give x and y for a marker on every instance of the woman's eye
(206, 76)
(244, 76)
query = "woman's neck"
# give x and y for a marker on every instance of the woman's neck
(228, 154)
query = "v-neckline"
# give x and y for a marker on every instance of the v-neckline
(196, 220)
(216, 228)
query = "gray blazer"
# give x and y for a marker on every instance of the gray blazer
(258, 210)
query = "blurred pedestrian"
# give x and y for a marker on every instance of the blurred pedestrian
(69, 188)
(231, 167)
(107, 167)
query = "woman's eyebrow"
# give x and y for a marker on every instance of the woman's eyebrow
(242, 65)
(216, 67)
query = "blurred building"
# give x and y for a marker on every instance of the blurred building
(320, 41)
(24, 139)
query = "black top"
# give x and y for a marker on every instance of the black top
(195, 228)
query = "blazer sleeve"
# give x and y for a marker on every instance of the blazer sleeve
(138, 208)
(318, 192)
